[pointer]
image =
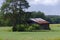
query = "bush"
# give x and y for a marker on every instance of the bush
(26, 27)
(20, 27)
(33, 27)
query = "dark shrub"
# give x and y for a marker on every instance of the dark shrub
(20, 27)
(26, 27)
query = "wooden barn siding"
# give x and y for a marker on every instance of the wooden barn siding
(44, 26)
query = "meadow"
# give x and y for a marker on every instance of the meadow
(54, 34)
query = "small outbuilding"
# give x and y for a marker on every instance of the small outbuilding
(44, 25)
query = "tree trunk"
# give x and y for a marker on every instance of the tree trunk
(14, 26)
(14, 21)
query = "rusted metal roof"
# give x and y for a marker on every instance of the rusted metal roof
(39, 20)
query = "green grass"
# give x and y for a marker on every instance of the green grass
(30, 35)
(5, 29)
(55, 27)
(53, 34)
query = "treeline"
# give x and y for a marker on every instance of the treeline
(53, 19)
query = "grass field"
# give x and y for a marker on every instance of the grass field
(53, 34)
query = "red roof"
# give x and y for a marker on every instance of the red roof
(39, 20)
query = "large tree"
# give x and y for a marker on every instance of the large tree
(14, 10)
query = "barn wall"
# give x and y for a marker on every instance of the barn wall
(44, 27)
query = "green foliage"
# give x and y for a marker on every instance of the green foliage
(53, 19)
(38, 15)
(27, 27)
(34, 27)
(14, 7)
(21, 27)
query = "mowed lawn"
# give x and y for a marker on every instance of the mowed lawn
(53, 34)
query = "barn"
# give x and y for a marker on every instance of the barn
(43, 23)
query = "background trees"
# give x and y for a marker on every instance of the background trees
(53, 19)
(38, 14)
